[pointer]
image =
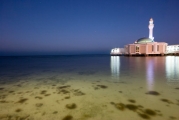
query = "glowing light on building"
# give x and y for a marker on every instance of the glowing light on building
(173, 49)
(117, 51)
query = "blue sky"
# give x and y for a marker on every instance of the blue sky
(55, 27)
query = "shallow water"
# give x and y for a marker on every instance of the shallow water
(91, 87)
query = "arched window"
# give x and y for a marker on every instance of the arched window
(137, 49)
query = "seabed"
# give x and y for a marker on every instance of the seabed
(86, 98)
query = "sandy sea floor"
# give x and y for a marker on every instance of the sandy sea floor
(88, 97)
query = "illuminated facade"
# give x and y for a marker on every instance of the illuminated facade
(146, 46)
(173, 49)
(117, 51)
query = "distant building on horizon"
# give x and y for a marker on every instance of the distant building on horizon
(145, 46)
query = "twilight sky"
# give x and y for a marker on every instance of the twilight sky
(54, 27)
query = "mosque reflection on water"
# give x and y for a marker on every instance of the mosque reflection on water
(150, 67)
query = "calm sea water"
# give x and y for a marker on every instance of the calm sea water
(89, 87)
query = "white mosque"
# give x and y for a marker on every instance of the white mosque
(147, 46)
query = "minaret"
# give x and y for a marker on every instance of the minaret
(151, 26)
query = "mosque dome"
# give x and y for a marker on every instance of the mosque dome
(143, 40)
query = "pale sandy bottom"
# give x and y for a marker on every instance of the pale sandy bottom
(96, 97)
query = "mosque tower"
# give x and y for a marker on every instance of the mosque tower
(151, 26)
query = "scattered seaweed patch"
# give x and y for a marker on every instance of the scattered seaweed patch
(62, 87)
(55, 112)
(3, 96)
(171, 117)
(112, 103)
(143, 116)
(76, 90)
(58, 101)
(3, 116)
(39, 104)
(120, 91)
(153, 93)
(67, 97)
(86, 116)
(11, 91)
(131, 107)
(43, 92)
(67, 90)
(140, 110)
(47, 94)
(14, 116)
(102, 86)
(63, 91)
(178, 102)
(27, 92)
(71, 106)
(167, 101)
(68, 117)
(4, 101)
(120, 106)
(38, 97)
(22, 100)
(132, 101)
(177, 88)
(150, 112)
(1, 88)
(18, 110)
(44, 113)
(78, 93)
